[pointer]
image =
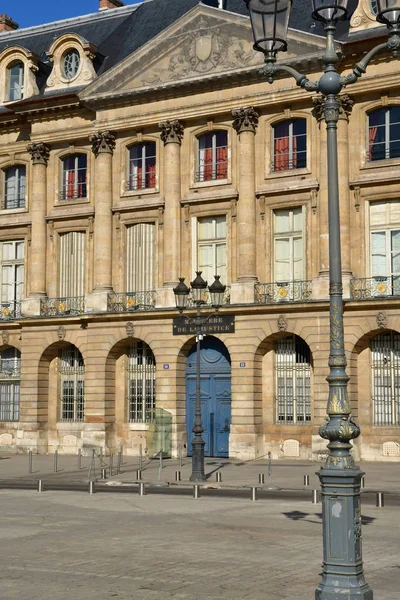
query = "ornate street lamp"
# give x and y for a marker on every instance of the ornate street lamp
(198, 289)
(340, 478)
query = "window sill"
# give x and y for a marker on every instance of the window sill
(139, 426)
(212, 183)
(139, 193)
(70, 425)
(376, 164)
(71, 201)
(13, 211)
(289, 173)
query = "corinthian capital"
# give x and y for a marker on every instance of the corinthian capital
(245, 119)
(102, 141)
(171, 131)
(39, 153)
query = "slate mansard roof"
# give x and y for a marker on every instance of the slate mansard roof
(119, 32)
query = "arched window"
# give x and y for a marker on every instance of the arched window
(16, 81)
(384, 133)
(141, 373)
(10, 375)
(14, 187)
(212, 159)
(385, 351)
(142, 166)
(70, 64)
(72, 375)
(290, 145)
(74, 171)
(292, 381)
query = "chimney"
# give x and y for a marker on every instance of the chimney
(106, 4)
(7, 24)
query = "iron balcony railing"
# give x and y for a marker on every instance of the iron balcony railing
(207, 300)
(375, 287)
(143, 181)
(59, 307)
(73, 193)
(288, 291)
(10, 310)
(131, 301)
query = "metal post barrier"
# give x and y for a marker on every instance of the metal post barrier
(40, 486)
(30, 461)
(55, 461)
(380, 500)
(111, 465)
(138, 474)
(140, 458)
(315, 496)
(142, 489)
(91, 464)
(177, 475)
(101, 454)
(261, 478)
(122, 455)
(253, 493)
(160, 466)
(180, 454)
(196, 491)
(363, 482)
(218, 477)
(103, 473)
(79, 459)
(306, 480)
(91, 487)
(119, 462)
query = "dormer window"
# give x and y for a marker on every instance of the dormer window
(71, 62)
(16, 81)
(73, 177)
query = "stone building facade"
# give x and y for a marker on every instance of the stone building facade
(140, 144)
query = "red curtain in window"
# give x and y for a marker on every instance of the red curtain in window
(70, 191)
(222, 162)
(82, 183)
(137, 176)
(371, 135)
(294, 157)
(208, 165)
(152, 175)
(281, 154)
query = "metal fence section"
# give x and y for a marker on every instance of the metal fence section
(131, 301)
(58, 307)
(275, 293)
(375, 287)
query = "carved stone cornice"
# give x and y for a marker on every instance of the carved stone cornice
(245, 119)
(39, 152)
(171, 132)
(102, 142)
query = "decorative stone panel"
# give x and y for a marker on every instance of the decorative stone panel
(291, 448)
(391, 449)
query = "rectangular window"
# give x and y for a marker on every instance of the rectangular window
(16, 81)
(142, 166)
(140, 263)
(74, 170)
(72, 265)
(384, 133)
(211, 248)
(385, 248)
(12, 276)
(290, 145)
(212, 156)
(14, 187)
(288, 245)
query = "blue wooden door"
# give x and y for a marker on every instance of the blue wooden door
(215, 396)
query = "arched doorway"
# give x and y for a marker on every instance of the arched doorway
(215, 395)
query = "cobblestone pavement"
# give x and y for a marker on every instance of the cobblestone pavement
(69, 545)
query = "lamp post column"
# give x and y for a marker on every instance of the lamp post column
(198, 443)
(245, 123)
(171, 135)
(103, 144)
(40, 157)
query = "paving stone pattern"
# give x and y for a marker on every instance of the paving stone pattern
(72, 545)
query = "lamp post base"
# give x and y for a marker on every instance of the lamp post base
(198, 460)
(342, 575)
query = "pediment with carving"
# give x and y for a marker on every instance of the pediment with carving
(204, 43)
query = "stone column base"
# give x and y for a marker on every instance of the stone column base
(245, 446)
(96, 302)
(165, 297)
(242, 293)
(30, 307)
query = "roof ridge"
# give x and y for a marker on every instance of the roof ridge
(54, 25)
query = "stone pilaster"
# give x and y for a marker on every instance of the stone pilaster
(37, 265)
(171, 135)
(103, 144)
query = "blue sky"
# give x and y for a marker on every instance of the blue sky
(36, 12)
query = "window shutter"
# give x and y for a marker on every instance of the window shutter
(140, 257)
(378, 253)
(72, 264)
(282, 260)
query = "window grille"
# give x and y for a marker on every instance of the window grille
(14, 187)
(385, 351)
(141, 383)
(290, 145)
(142, 166)
(384, 133)
(212, 156)
(74, 173)
(71, 64)
(10, 374)
(16, 81)
(292, 371)
(140, 271)
(72, 373)
(211, 248)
